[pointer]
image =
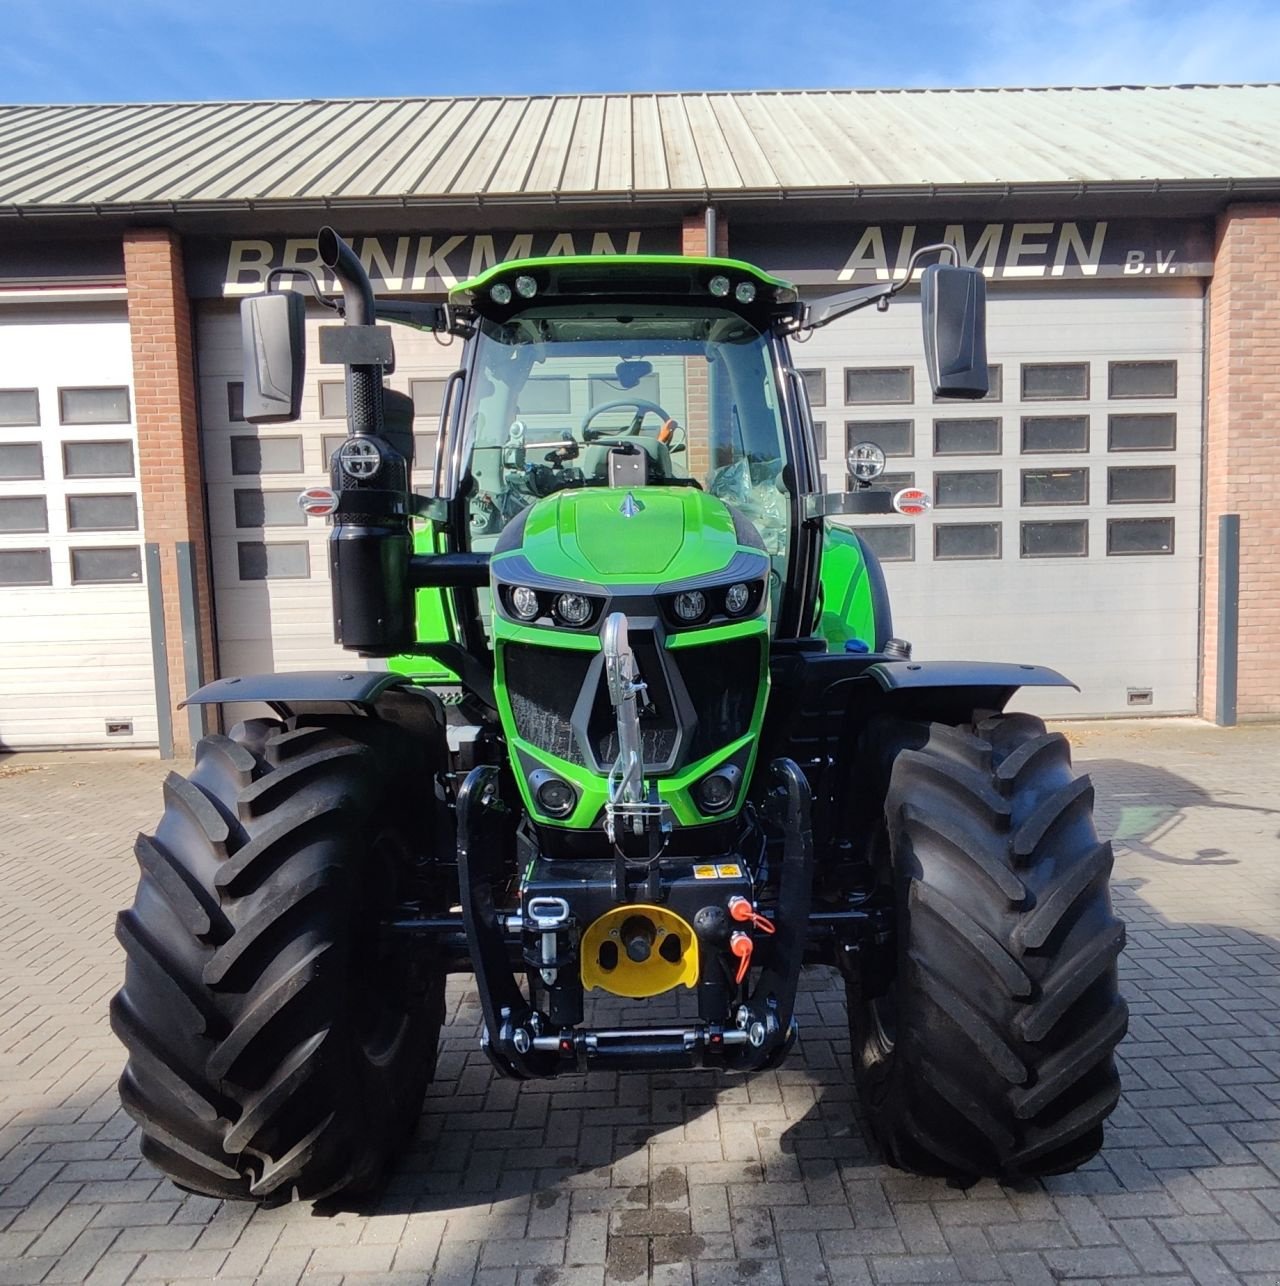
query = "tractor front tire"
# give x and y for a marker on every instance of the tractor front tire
(280, 1039)
(991, 1052)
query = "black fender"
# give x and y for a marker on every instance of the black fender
(954, 689)
(283, 692)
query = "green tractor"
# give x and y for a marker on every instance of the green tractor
(643, 730)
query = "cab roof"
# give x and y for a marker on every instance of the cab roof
(651, 279)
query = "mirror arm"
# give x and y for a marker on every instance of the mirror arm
(827, 310)
(276, 273)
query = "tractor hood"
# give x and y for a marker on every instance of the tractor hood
(645, 536)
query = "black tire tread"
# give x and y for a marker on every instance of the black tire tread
(245, 1071)
(1007, 1008)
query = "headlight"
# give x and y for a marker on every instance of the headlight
(736, 598)
(573, 609)
(500, 292)
(746, 292)
(866, 461)
(556, 798)
(716, 791)
(690, 605)
(526, 287)
(524, 602)
(718, 286)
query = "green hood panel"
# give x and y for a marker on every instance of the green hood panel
(633, 537)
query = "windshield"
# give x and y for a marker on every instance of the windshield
(680, 397)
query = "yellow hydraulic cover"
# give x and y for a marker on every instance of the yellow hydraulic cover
(610, 945)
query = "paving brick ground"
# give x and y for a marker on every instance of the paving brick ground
(693, 1179)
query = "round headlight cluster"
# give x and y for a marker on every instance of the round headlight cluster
(527, 605)
(718, 286)
(524, 603)
(526, 287)
(690, 605)
(500, 292)
(715, 793)
(573, 609)
(746, 292)
(866, 461)
(737, 598)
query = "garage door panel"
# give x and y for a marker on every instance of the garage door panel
(75, 655)
(1110, 620)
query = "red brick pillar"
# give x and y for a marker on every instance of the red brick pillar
(693, 234)
(169, 449)
(1242, 450)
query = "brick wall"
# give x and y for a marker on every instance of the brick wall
(1242, 449)
(693, 234)
(168, 441)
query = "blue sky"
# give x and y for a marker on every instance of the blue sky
(100, 50)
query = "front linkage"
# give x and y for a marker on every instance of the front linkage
(652, 902)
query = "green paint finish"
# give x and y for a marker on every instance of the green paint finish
(848, 611)
(434, 619)
(677, 532)
(620, 266)
(720, 633)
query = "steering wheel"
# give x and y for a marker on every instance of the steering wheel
(640, 405)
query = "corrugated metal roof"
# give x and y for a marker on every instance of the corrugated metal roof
(722, 145)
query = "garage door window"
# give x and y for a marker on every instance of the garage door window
(268, 509)
(235, 401)
(259, 561)
(893, 481)
(265, 455)
(333, 400)
(815, 383)
(1054, 381)
(428, 396)
(879, 384)
(820, 437)
(893, 437)
(966, 437)
(23, 513)
(118, 566)
(1138, 485)
(966, 540)
(890, 544)
(1142, 432)
(1055, 539)
(1042, 434)
(1140, 536)
(25, 567)
(1055, 486)
(21, 462)
(102, 513)
(19, 406)
(1142, 379)
(976, 490)
(97, 459)
(93, 405)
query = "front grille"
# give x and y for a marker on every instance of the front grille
(543, 684)
(721, 680)
(659, 719)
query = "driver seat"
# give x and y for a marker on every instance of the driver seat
(595, 458)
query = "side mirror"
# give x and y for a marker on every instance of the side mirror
(273, 343)
(953, 306)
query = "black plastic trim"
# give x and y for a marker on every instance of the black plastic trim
(357, 687)
(895, 676)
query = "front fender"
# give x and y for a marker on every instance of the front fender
(299, 687)
(962, 686)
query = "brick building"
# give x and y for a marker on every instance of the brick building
(149, 537)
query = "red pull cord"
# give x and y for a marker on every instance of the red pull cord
(740, 945)
(742, 911)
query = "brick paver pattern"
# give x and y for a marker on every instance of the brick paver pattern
(693, 1178)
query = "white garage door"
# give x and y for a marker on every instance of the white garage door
(74, 625)
(1066, 529)
(270, 561)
